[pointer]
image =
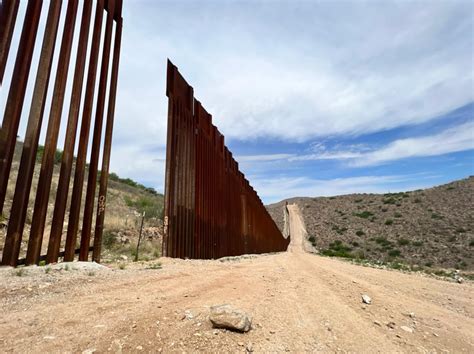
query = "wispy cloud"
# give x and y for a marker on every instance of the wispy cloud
(454, 139)
(269, 157)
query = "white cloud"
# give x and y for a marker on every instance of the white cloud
(257, 158)
(454, 139)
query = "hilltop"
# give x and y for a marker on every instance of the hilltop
(431, 228)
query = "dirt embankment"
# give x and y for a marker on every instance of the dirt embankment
(299, 302)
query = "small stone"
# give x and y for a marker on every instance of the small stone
(225, 316)
(188, 315)
(134, 325)
(272, 332)
(139, 347)
(240, 344)
(407, 329)
(89, 351)
(434, 334)
(460, 280)
(377, 323)
(249, 348)
(216, 332)
(391, 325)
(366, 299)
(49, 337)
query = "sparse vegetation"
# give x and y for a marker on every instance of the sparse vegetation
(129, 182)
(403, 242)
(148, 204)
(19, 272)
(394, 253)
(156, 265)
(389, 201)
(427, 226)
(364, 215)
(339, 230)
(338, 249)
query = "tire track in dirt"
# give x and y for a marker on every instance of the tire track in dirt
(299, 302)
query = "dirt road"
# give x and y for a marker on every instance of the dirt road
(299, 302)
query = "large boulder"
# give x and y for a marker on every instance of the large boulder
(225, 316)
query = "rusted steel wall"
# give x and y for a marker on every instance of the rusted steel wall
(211, 210)
(111, 10)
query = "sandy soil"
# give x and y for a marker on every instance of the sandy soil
(299, 302)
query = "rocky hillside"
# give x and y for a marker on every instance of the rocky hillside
(431, 228)
(126, 201)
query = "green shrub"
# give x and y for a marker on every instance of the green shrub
(450, 188)
(150, 205)
(108, 239)
(394, 253)
(312, 239)
(390, 200)
(20, 272)
(403, 242)
(417, 243)
(364, 215)
(452, 239)
(397, 215)
(129, 182)
(339, 230)
(460, 230)
(156, 265)
(384, 210)
(417, 200)
(388, 222)
(471, 243)
(382, 241)
(357, 200)
(428, 264)
(338, 249)
(360, 233)
(436, 216)
(122, 266)
(57, 155)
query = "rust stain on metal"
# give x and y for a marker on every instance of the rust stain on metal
(211, 210)
(12, 115)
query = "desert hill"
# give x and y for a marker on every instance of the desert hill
(424, 228)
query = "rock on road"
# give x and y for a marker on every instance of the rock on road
(298, 301)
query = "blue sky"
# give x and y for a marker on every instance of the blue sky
(313, 97)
